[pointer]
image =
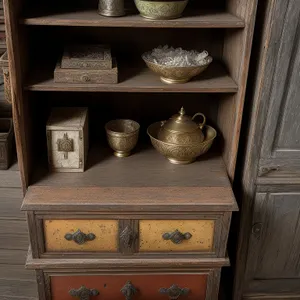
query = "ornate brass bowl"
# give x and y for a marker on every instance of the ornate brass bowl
(122, 136)
(181, 154)
(160, 10)
(175, 74)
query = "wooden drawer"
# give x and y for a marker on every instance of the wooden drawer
(176, 235)
(139, 286)
(140, 235)
(81, 235)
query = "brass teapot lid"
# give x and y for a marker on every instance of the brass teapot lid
(183, 123)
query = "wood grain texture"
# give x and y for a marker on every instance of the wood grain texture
(280, 35)
(191, 19)
(15, 40)
(10, 178)
(151, 232)
(106, 232)
(213, 80)
(236, 55)
(117, 199)
(147, 286)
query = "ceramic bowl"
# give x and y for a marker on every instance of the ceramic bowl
(122, 136)
(176, 74)
(160, 10)
(181, 154)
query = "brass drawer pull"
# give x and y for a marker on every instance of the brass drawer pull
(79, 237)
(128, 290)
(176, 237)
(83, 293)
(174, 292)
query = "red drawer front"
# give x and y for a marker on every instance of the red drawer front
(147, 286)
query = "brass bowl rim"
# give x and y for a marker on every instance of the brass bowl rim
(182, 145)
(109, 131)
(172, 67)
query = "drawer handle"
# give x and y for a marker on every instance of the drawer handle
(83, 293)
(176, 237)
(128, 290)
(79, 237)
(174, 292)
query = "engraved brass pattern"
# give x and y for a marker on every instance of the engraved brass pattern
(174, 292)
(111, 8)
(127, 237)
(128, 290)
(65, 145)
(181, 154)
(83, 293)
(176, 74)
(122, 136)
(176, 237)
(79, 237)
(162, 10)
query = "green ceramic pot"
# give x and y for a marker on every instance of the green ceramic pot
(160, 10)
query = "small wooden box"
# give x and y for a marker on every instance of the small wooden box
(86, 76)
(88, 57)
(6, 140)
(67, 139)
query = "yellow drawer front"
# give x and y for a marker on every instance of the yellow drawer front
(104, 235)
(158, 235)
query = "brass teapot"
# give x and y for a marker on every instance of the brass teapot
(181, 129)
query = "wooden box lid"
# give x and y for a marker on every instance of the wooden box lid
(88, 57)
(67, 117)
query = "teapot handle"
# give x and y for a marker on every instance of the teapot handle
(201, 125)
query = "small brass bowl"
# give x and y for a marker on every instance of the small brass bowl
(181, 154)
(176, 74)
(122, 136)
(161, 10)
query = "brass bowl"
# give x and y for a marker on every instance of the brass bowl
(181, 154)
(175, 74)
(122, 136)
(161, 10)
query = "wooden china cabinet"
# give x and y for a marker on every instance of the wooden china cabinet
(128, 204)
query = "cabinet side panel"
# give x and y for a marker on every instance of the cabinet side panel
(17, 54)
(236, 55)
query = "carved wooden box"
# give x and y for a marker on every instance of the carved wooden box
(6, 139)
(93, 57)
(67, 139)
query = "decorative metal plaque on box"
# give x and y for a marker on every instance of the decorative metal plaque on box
(67, 139)
(93, 57)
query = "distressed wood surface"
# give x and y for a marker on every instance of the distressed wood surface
(214, 80)
(192, 19)
(271, 162)
(106, 232)
(151, 232)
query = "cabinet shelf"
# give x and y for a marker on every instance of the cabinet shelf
(91, 18)
(214, 80)
(145, 179)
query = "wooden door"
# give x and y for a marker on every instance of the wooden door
(273, 253)
(280, 152)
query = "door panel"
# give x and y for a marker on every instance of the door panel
(282, 130)
(275, 240)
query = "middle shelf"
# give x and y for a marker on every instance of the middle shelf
(140, 79)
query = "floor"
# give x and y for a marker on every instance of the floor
(15, 282)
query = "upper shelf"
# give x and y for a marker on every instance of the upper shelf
(141, 80)
(91, 18)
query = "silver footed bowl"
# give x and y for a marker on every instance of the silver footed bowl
(176, 74)
(181, 154)
(122, 136)
(161, 10)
